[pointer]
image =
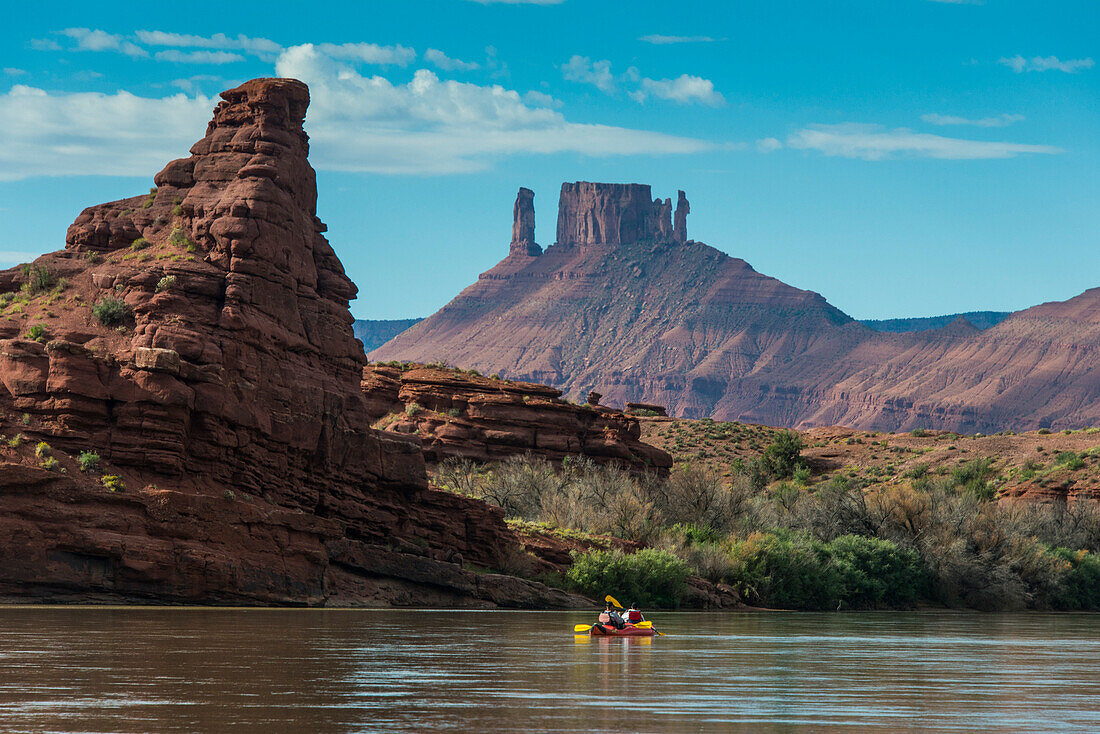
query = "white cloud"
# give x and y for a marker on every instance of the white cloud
(96, 40)
(433, 126)
(767, 145)
(191, 84)
(370, 53)
(1002, 120)
(540, 99)
(1046, 63)
(90, 133)
(12, 71)
(216, 41)
(874, 142)
(355, 122)
(45, 44)
(586, 71)
(659, 40)
(198, 57)
(684, 89)
(445, 62)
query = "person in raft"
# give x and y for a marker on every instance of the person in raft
(633, 616)
(610, 616)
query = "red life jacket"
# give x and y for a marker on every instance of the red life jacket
(633, 616)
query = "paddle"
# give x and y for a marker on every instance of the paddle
(613, 600)
(648, 625)
(583, 627)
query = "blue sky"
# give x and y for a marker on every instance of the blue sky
(903, 158)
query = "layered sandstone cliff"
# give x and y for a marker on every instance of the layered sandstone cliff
(198, 339)
(625, 304)
(462, 415)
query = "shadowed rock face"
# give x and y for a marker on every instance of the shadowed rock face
(626, 305)
(229, 402)
(612, 214)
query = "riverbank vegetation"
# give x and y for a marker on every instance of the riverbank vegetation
(783, 540)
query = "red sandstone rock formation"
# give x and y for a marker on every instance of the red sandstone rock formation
(611, 214)
(621, 306)
(228, 400)
(459, 414)
(523, 224)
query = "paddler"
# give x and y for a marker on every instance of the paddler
(633, 615)
(610, 616)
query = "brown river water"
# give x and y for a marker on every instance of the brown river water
(275, 670)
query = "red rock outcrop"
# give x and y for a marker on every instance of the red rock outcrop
(626, 305)
(225, 392)
(611, 214)
(459, 414)
(523, 225)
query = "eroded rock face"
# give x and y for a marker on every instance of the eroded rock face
(523, 225)
(458, 414)
(611, 214)
(233, 371)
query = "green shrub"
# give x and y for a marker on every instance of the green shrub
(177, 210)
(877, 573)
(918, 433)
(794, 571)
(165, 283)
(1070, 460)
(38, 333)
(1044, 431)
(413, 409)
(88, 460)
(975, 477)
(786, 570)
(920, 471)
(139, 244)
(111, 311)
(112, 483)
(650, 577)
(1080, 582)
(179, 238)
(42, 450)
(150, 198)
(50, 464)
(36, 279)
(782, 457)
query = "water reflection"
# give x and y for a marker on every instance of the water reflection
(72, 670)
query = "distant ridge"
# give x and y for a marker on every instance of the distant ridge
(623, 303)
(376, 332)
(981, 320)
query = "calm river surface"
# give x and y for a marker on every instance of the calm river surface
(175, 669)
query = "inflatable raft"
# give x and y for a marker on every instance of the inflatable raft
(608, 630)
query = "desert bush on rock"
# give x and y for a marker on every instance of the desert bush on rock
(111, 311)
(88, 460)
(36, 279)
